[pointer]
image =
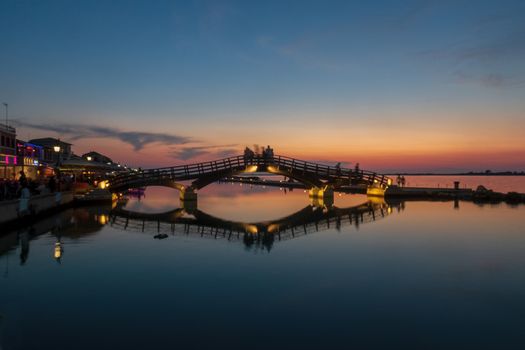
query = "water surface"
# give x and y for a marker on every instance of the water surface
(411, 275)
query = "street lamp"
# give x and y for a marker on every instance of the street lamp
(89, 158)
(57, 150)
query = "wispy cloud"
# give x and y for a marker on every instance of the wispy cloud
(493, 80)
(138, 139)
(491, 63)
(471, 49)
(513, 46)
(220, 151)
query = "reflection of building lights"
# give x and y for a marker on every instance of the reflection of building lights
(103, 219)
(58, 251)
(103, 184)
(389, 210)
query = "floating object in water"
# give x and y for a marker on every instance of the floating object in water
(160, 236)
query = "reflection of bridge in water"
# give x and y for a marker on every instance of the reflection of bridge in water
(195, 222)
(320, 179)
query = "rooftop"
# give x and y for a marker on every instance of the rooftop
(49, 141)
(7, 128)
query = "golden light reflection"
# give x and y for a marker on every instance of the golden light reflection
(58, 251)
(273, 228)
(251, 229)
(103, 219)
(376, 200)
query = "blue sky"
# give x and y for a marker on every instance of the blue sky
(209, 71)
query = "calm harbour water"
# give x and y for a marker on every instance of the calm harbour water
(423, 275)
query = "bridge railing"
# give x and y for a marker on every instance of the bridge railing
(329, 171)
(180, 171)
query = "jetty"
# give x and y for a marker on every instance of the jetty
(480, 194)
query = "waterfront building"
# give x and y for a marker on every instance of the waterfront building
(28, 156)
(8, 157)
(88, 167)
(97, 157)
(32, 160)
(55, 150)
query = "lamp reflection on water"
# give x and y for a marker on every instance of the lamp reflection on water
(58, 251)
(102, 219)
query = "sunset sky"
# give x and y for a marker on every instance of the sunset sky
(394, 85)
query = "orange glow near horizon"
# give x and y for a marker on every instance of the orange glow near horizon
(458, 141)
(374, 157)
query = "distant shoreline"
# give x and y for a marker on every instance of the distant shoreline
(506, 173)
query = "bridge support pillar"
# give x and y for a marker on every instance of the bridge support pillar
(189, 206)
(188, 198)
(375, 190)
(322, 196)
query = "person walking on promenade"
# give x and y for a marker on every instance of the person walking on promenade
(23, 206)
(22, 179)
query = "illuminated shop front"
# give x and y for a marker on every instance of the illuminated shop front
(8, 158)
(8, 165)
(29, 159)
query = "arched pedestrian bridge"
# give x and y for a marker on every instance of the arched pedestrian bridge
(320, 179)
